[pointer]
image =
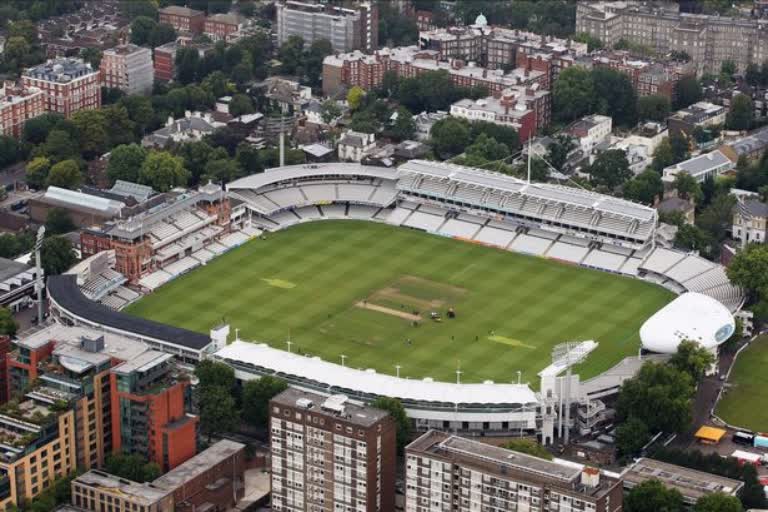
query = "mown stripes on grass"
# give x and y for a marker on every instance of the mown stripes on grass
(334, 264)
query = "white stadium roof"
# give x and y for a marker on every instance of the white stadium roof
(292, 172)
(370, 382)
(691, 316)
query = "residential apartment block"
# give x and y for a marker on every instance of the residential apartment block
(18, 104)
(69, 85)
(165, 57)
(347, 29)
(701, 114)
(524, 109)
(448, 473)
(223, 27)
(182, 19)
(129, 68)
(328, 454)
(708, 40)
(648, 78)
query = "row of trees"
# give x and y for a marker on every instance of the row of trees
(653, 496)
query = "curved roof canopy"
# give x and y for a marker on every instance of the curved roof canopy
(691, 316)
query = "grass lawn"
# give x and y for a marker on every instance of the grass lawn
(744, 404)
(364, 289)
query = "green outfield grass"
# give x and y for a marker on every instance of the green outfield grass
(356, 288)
(744, 404)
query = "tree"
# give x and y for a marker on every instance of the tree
(140, 111)
(36, 130)
(8, 325)
(717, 219)
(92, 132)
(687, 187)
(65, 174)
(59, 145)
(558, 151)
(749, 270)
(92, 56)
(660, 396)
(256, 396)
(37, 172)
(528, 446)
(692, 359)
(121, 128)
(653, 108)
(218, 84)
(644, 188)
(329, 111)
(132, 467)
(593, 43)
(125, 162)
(213, 373)
(740, 114)
(217, 411)
(10, 152)
(141, 30)
(610, 169)
(752, 74)
(503, 134)
(58, 222)
(222, 170)
(395, 409)
(450, 136)
(631, 436)
(161, 33)
(291, 56)
(573, 94)
(186, 64)
(614, 96)
(196, 155)
(355, 97)
(679, 146)
(57, 255)
(687, 92)
(653, 496)
(404, 126)
(163, 171)
(692, 238)
(486, 148)
(240, 104)
(318, 51)
(753, 494)
(717, 502)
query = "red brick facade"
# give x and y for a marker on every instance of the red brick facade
(221, 27)
(182, 19)
(67, 96)
(17, 105)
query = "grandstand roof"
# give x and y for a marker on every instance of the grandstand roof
(541, 191)
(691, 316)
(290, 172)
(370, 382)
(81, 201)
(63, 290)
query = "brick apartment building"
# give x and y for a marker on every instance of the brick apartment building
(447, 472)
(223, 27)
(182, 19)
(69, 85)
(165, 57)
(149, 409)
(648, 78)
(330, 454)
(347, 29)
(17, 105)
(128, 68)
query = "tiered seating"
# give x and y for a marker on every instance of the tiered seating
(715, 276)
(308, 213)
(285, 218)
(126, 294)
(549, 235)
(354, 193)
(168, 252)
(614, 224)
(410, 205)
(425, 221)
(660, 260)
(251, 231)
(182, 266)
(439, 188)
(163, 230)
(384, 194)
(114, 302)
(357, 211)
(285, 197)
(334, 211)
(155, 280)
(730, 296)
(216, 248)
(615, 249)
(234, 239)
(631, 267)
(185, 220)
(470, 195)
(690, 267)
(459, 228)
(573, 240)
(567, 252)
(468, 217)
(398, 216)
(260, 202)
(530, 244)
(203, 255)
(605, 260)
(317, 193)
(495, 236)
(101, 284)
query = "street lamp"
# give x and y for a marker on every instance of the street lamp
(343, 359)
(397, 369)
(519, 376)
(39, 270)
(289, 343)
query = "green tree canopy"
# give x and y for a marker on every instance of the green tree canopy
(57, 255)
(717, 502)
(687, 187)
(573, 94)
(395, 409)
(92, 132)
(256, 396)
(132, 466)
(528, 446)
(10, 152)
(58, 222)
(631, 436)
(653, 496)
(692, 359)
(163, 171)
(644, 188)
(217, 411)
(125, 162)
(450, 136)
(740, 113)
(486, 148)
(749, 270)
(241, 104)
(37, 172)
(141, 30)
(65, 174)
(8, 325)
(610, 169)
(653, 108)
(687, 92)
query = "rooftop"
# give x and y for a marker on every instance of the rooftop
(175, 10)
(125, 49)
(199, 464)
(691, 483)
(69, 343)
(10, 268)
(61, 70)
(335, 405)
(143, 494)
(753, 208)
(142, 363)
(81, 201)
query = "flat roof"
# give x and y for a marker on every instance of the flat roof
(144, 494)
(691, 483)
(336, 405)
(68, 343)
(199, 464)
(11, 268)
(143, 362)
(290, 172)
(369, 381)
(708, 433)
(63, 290)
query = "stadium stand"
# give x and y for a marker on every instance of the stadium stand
(530, 245)
(155, 280)
(495, 236)
(604, 260)
(460, 228)
(567, 252)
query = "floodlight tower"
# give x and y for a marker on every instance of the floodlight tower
(566, 355)
(39, 271)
